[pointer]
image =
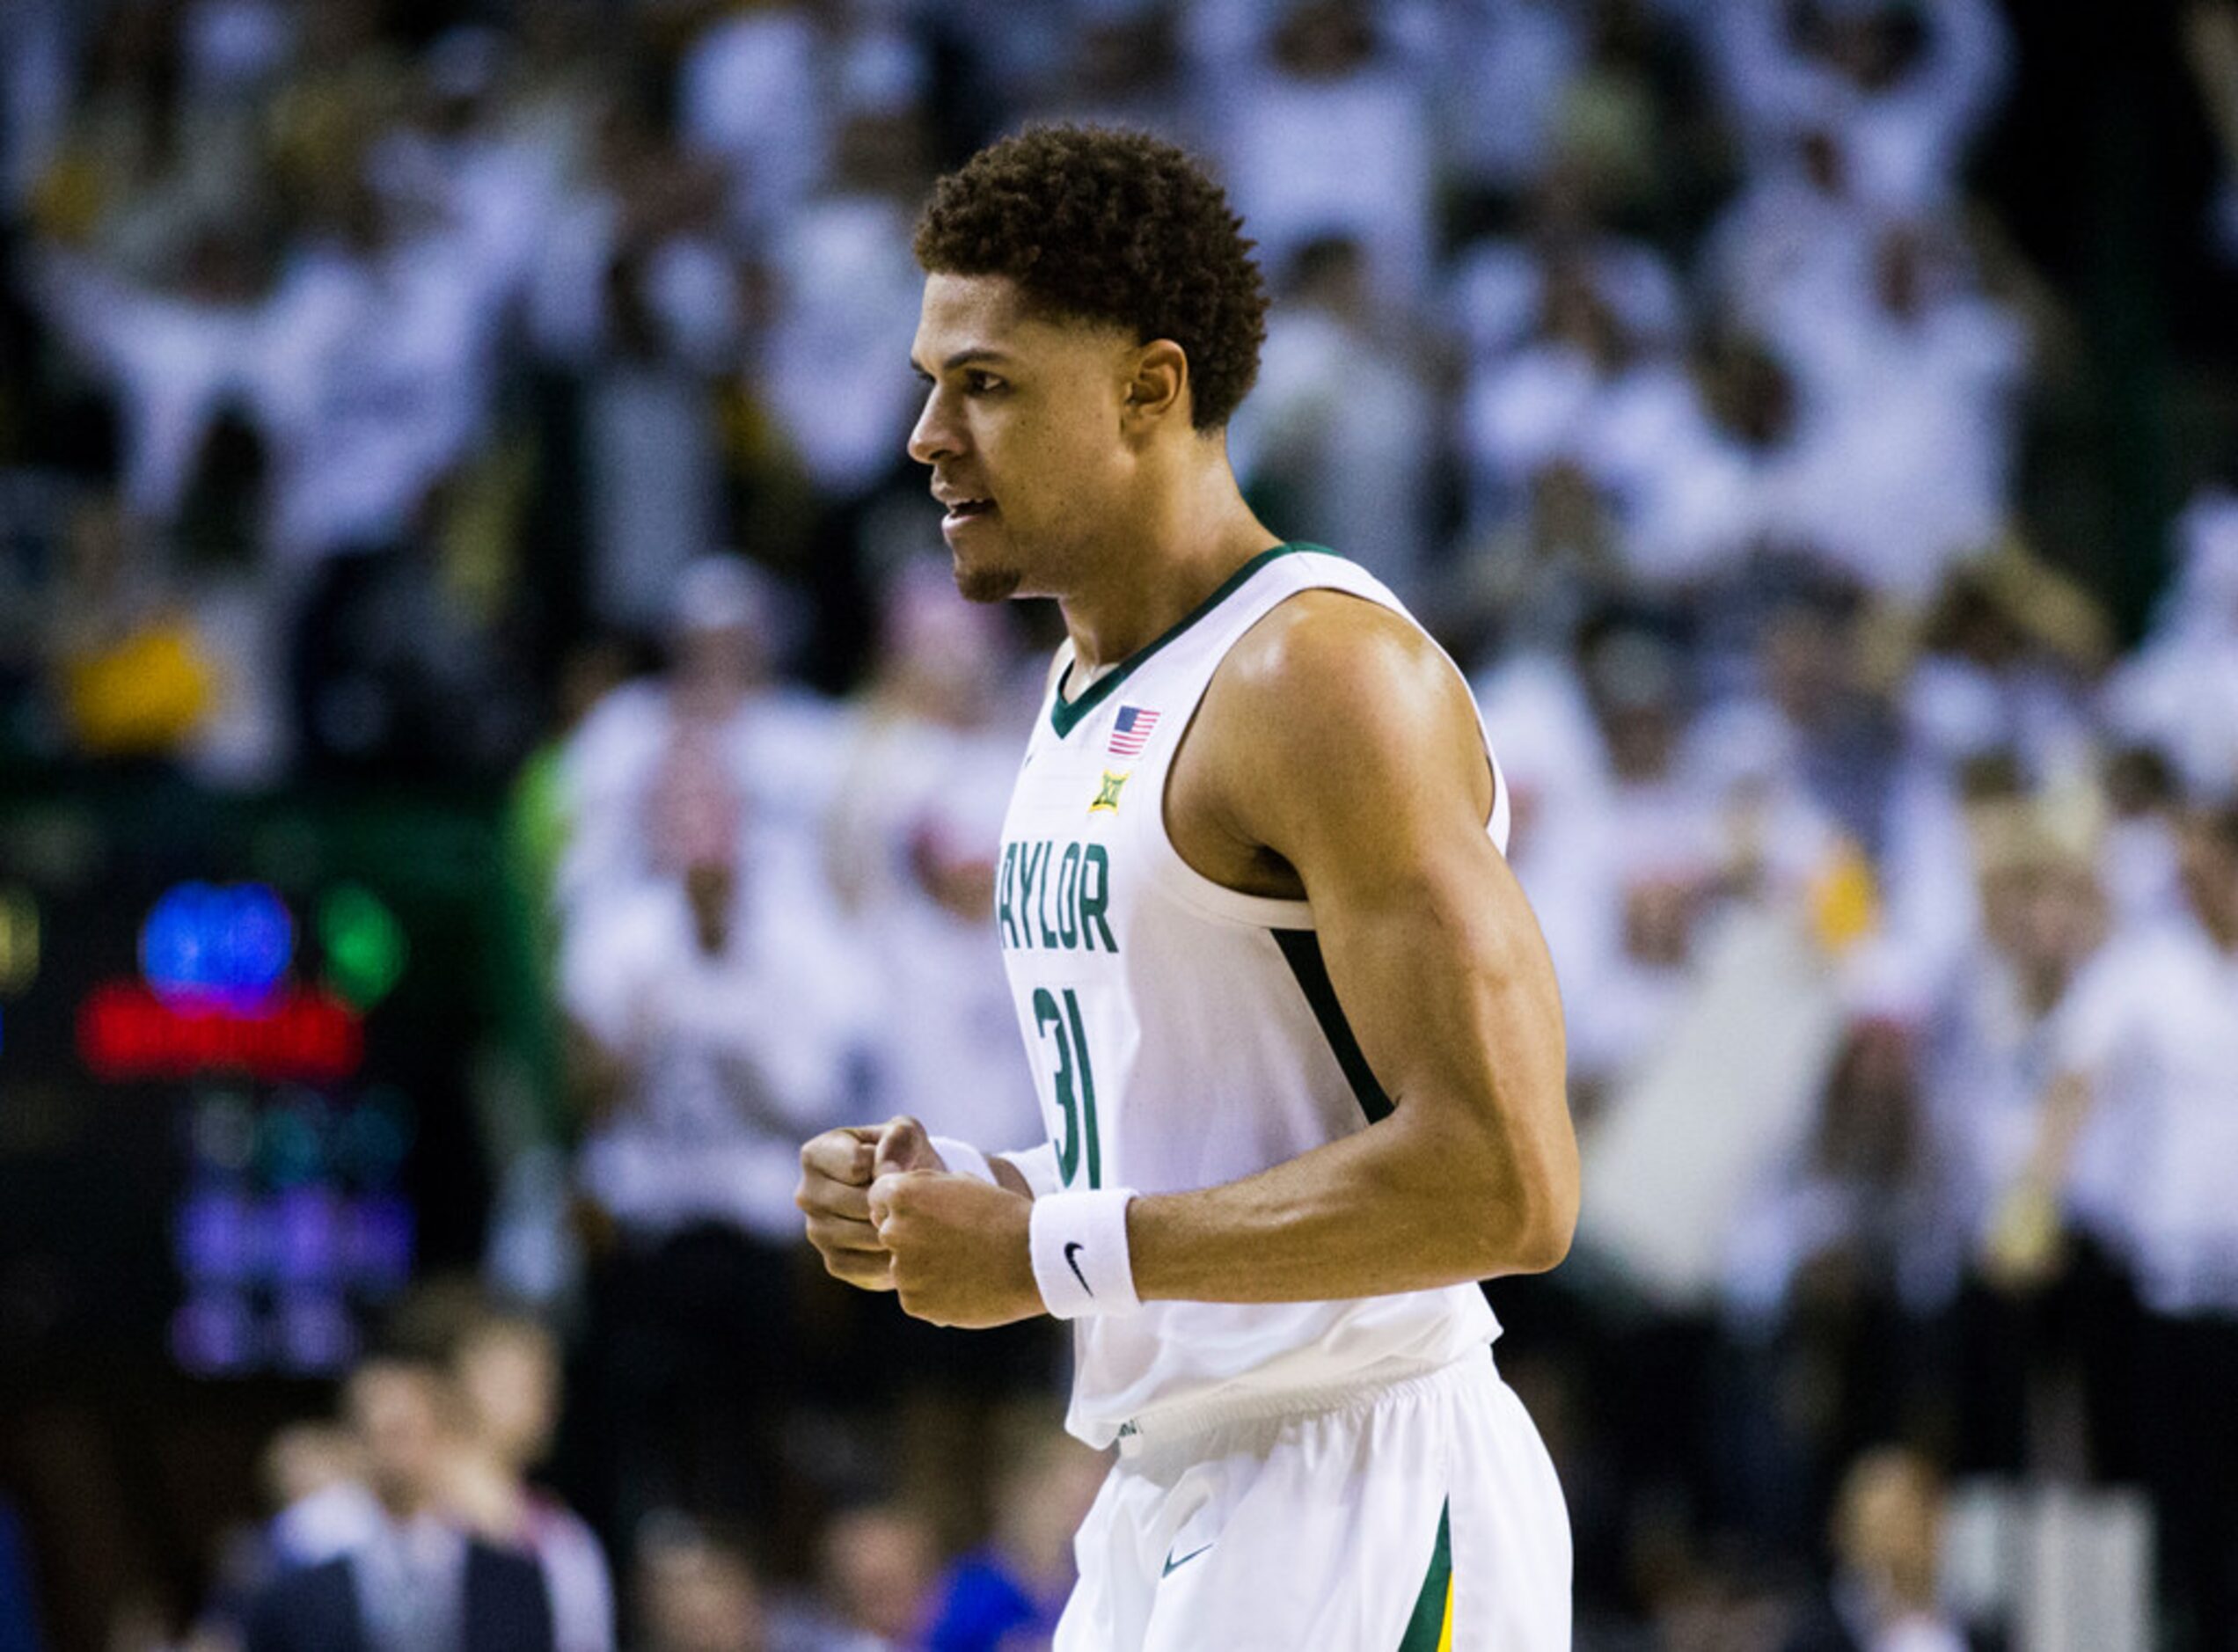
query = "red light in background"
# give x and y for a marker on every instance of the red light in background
(125, 1032)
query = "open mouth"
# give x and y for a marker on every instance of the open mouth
(964, 509)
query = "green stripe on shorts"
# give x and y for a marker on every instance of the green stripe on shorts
(1428, 1624)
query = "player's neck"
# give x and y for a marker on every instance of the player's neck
(1190, 537)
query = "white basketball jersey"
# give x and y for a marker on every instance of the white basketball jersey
(1183, 1035)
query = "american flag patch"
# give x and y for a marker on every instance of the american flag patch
(1130, 731)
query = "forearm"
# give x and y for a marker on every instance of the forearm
(1474, 1174)
(1399, 1206)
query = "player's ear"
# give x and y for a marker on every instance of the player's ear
(1158, 387)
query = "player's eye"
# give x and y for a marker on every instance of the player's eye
(979, 384)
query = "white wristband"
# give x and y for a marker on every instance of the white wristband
(963, 1158)
(1079, 1247)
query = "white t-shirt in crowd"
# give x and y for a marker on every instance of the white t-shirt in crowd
(1345, 428)
(1902, 447)
(375, 381)
(783, 749)
(847, 289)
(924, 798)
(1986, 1060)
(1905, 141)
(1496, 290)
(750, 91)
(173, 361)
(1346, 156)
(575, 1575)
(2180, 690)
(734, 1058)
(2152, 1023)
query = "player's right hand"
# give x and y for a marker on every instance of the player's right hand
(836, 1169)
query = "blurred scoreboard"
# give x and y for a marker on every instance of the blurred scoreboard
(234, 1085)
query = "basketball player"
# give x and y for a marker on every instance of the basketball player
(1296, 1035)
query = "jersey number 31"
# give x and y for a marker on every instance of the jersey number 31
(1075, 1084)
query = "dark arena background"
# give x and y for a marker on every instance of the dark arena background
(491, 759)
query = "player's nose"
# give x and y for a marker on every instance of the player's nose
(937, 435)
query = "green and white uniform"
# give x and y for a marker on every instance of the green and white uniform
(1184, 1035)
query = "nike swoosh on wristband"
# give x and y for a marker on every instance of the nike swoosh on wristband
(1069, 1262)
(1171, 1563)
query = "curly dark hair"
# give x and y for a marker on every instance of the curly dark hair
(1111, 226)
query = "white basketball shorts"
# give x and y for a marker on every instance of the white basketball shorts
(1416, 1515)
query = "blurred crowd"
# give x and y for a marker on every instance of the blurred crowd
(408, 1521)
(512, 399)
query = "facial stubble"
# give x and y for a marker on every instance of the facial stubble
(985, 585)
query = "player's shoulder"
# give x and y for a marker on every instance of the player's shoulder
(1327, 664)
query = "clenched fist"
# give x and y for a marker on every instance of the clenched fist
(957, 1249)
(837, 1170)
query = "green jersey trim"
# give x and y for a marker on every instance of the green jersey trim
(1430, 1629)
(1066, 715)
(1301, 949)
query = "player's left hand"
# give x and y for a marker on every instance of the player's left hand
(960, 1249)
